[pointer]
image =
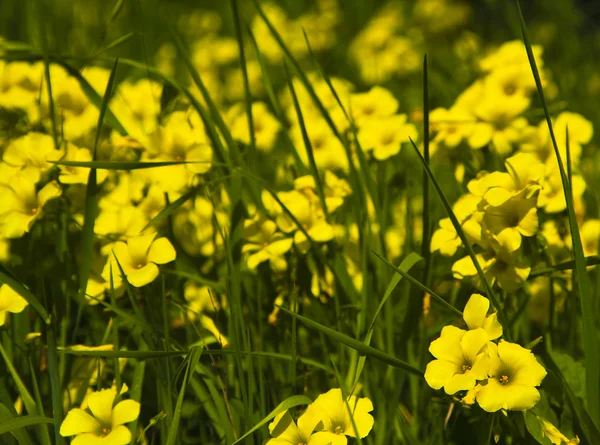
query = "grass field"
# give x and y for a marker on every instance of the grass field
(299, 222)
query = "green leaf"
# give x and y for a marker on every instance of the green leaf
(572, 371)
(288, 403)
(21, 388)
(590, 338)
(355, 344)
(534, 426)
(8, 426)
(122, 165)
(7, 278)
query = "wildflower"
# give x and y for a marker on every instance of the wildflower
(104, 424)
(202, 301)
(34, 150)
(513, 377)
(384, 136)
(139, 258)
(461, 359)
(284, 431)
(21, 206)
(328, 151)
(78, 175)
(475, 315)
(10, 301)
(265, 243)
(339, 416)
(555, 436)
(266, 127)
(446, 239)
(377, 102)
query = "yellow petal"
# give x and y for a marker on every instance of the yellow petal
(139, 246)
(476, 310)
(492, 396)
(161, 251)
(10, 300)
(460, 382)
(142, 276)
(100, 403)
(118, 436)
(472, 343)
(79, 421)
(124, 412)
(439, 372)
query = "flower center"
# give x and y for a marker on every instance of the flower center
(509, 90)
(139, 266)
(503, 380)
(34, 210)
(465, 368)
(338, 430)
(105, 431)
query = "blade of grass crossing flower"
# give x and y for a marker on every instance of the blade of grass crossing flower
(407, 264)
(459, 230)
(193, 358)
(404, 274)
(247, 92)
(288, 403)
(91, 197)
(171, 207)
(590, 339)
(355, 344)
(121, 165)
(8, 278)
(307, 144)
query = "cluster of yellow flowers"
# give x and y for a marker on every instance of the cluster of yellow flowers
(330, 419)
(502, 209)
(497, 376)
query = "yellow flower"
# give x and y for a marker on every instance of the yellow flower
(266, 127)
(513, 377)
(331, 409)
(462, 359)
(10, 301)
(552, 196)
(328, 151)
(33, 150)
(78, 175)
(377, 102)
(475, 315)
(451, 126)
(510, 53)
(200, 301)
(284, 431)
(265, 243)
(21, 206)
(139, 258)
(384, 136)
(106, 423)
(334, 188)
(445, 239)
(590, 234)
(555, 436)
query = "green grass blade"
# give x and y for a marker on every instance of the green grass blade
(8, 278)
(8, 426)
(288, 403)
(355, 344)
(171, 207)
(122, 165)
(404, 274)
(56, 389)
(592, 260)
(407, 264)
(426, 240)
(590, 339)
(193, 358)
(28, 401)
(459, 230)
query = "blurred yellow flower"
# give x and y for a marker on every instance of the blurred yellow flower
(104, 424)
(78, 175)
(10, 301)
(513, 377)
(461, 359)
(266, 126)
(384, 136)
(265, 243)
(138, 258)
(377, 102)
(34, 150)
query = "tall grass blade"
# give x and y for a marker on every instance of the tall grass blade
(8, 426)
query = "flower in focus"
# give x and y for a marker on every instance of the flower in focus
(138, 258)
(104, 424)
(339, 416)
(284, 431)
(513, 377)
(461, 359)
(475, 315)
(10, 301)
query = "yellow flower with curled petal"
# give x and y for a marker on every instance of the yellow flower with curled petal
(21, 206)
(475, 315)
(384, 136)
(10, 301)
(284, 431)
(104, 424)
(265, 243)
(139, 258)
(553, 433)
(513, 377)
(461, 359)
(339, 416)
